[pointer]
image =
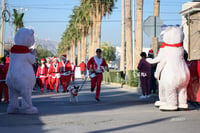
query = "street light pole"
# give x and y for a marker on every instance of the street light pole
(2, 29)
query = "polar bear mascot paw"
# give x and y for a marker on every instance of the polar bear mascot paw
(21, 77)
(172, 71)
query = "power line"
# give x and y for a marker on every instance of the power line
(65, 21)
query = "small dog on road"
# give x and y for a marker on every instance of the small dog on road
(73, 91)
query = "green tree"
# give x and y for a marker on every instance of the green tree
(43, 53)
(108, 52)
(18, 20)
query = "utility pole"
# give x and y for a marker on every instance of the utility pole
(156, 14)
(2, 29)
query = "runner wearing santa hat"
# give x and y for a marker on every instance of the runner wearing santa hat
(54, 72)
(73, 72)
(96, 66)
(42, 74)
(48, 64)
(65, 71)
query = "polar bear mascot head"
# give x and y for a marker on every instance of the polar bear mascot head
(24, 37)
(21, 76)
(172, 70)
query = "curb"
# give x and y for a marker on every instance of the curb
(125, 87)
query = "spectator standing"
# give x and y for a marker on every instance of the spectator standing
(153, 81)
(82, 66)
(145, 75)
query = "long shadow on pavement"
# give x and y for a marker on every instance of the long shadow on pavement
(132, 125)
(55, 104)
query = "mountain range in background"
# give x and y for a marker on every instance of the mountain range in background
(50, 45)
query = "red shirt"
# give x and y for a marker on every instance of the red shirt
(82, 66)
(42, 71)
(93, 64)
(65, 67)
(54, 70)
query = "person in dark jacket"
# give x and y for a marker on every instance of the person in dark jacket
(153, 81)
(145, 75)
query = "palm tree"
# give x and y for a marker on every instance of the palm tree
(129, 45)
(139, 21)
(85, 21)
(103, 8)
(18, 19)
(122, 58)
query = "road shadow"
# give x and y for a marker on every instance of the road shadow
(131, 125)
(50, 104)
(110, 99)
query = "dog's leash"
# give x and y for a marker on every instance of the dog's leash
(83, 83)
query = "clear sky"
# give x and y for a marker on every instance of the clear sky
(49, 18)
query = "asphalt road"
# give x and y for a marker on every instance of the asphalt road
(120, 111)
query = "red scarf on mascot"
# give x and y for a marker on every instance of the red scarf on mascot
(171, 45)
(18, 49)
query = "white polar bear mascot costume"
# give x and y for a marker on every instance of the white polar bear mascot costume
(21, 77)
(172, 71)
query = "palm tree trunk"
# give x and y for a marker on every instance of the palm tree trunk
(79, 51)
(67, 54)
(90, 42)
(139, 32)
(129, 46)
(98, 31)
(73, 53)
(94, 35)
(122, 57)
(84, 48)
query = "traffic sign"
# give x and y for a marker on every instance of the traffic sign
(152, 26)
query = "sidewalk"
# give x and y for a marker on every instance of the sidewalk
(120, 111)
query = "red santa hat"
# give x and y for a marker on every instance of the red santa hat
(7, 59)
(48, 58)
(42, 59)
(54, 58)
(64, 56)
(150, 51)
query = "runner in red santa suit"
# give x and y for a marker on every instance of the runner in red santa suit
(96, 66)
(3, 73)
(48, 64)
(65, 71)
(73, 72)
(54, 73)
(42, 74)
